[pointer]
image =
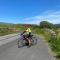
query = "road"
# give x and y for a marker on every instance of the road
(10, 51)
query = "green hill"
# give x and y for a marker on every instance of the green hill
(57, 25)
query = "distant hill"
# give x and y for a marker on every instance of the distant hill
(9, 24)
(57, 25)
(4, 23)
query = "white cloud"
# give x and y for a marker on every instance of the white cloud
(50, 15)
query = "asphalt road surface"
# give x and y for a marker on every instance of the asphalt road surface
(10, 51)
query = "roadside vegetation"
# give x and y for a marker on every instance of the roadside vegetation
(10, 28)
(51, 34)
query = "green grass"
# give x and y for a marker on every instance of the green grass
(57, 44)
(10, 28)
(5, 31)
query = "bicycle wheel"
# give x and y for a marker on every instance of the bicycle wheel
(20, 43)
(34, 40)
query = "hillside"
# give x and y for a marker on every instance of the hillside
(57, 25)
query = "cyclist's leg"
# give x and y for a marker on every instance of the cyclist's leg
(29, 39)
(26, 40)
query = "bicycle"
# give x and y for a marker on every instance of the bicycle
(23, 42)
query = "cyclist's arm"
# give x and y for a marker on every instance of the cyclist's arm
(23, 32)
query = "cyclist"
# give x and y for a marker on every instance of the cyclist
(27, 34)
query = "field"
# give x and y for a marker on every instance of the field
(10, 28)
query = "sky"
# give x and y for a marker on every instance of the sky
(29, 11)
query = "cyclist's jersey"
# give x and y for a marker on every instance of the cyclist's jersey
(27, 31)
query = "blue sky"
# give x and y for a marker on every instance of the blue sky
(29, 11)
